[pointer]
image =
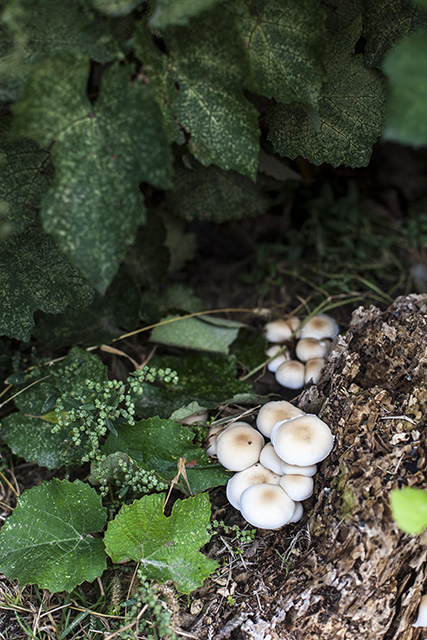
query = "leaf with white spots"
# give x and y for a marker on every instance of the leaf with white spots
(167, 548)
(50, 539)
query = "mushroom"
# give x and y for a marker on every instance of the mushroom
(319, 326)
(299, 510)
(303, 441)
(257, 474)
(211, 437)
(266, 506)
(290, 469)
(297, 487)
(274, 350)
(269, 458)
(200, 416)
(239, 446)
(309, 348)
(313, 370)
(272, 412)
(291, 374)
(421, 620)
(281, 330)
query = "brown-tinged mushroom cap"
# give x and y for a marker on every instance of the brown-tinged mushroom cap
(309, 348)
(239, 446)
(291, 374)
(273, 412)
(319, 326)
(313, 370)
(303, 441)
(266, 506)
(257, 474)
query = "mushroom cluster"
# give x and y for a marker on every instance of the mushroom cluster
(273, 478)
(314, 339)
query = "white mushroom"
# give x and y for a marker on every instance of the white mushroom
(211, 437)
(257, 474)
(281, 330)
(297, 487)
(272, 412)
(319, 326)
(299, 510)
(266, 506)
(239, 446)
(303, 441)
(269, 458)
(421, 620)
(291, 374)
(309, 348)
(274, 364)
(289, 469)
(313, 370)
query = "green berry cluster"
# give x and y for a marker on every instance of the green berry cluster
(128, 477)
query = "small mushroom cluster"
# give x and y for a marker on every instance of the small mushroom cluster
(272, 479)
(311, 349)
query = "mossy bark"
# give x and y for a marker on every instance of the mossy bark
(356, 574)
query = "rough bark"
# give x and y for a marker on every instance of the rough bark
(358, 576)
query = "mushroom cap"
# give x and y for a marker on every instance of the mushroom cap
(277, 331)
(308, 348)
(269, 458)
(291, 469)
(273, 412)
(239, 446)
(211, 437)
(257, 474)
(303, 441)
(280, 359)
(266, 506)
(297, 487)
(299, 510)
(291, 374)
(313, 370)
(200, 416)
(421, 620)
(319, 326)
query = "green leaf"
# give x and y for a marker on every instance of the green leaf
(34, 275)
(48, 540)
(167, 548)
(407, 96)
(209, 67)
(386, 22)
(409, 508)
(28, 432)
(27, 173)
(170, 12)
(285, 42)
(33, 30)
(158, 444)
(101, 154)
(115, 8)
(204, 334)
(214, 194)
(107, 317)
(351, 110)
(208, 379)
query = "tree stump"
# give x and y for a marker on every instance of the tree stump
(359, 576)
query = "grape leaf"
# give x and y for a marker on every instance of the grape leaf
(107, 317)
(170, 12)
(409, 508)
(27, 173)
(158, 444)
(209, 67)
(206, 333)
(34, 29)
(48, 540)
(208, 379)
(101, 153)
(28, 432)
(167, 548)
(350, 114)
(214, 194)
(285, 42)
(407, 95)
(386, 22)
(35, 275)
